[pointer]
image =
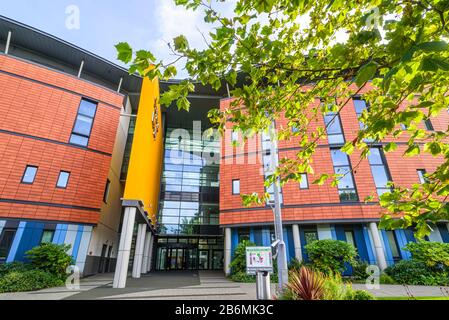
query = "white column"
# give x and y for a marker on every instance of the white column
(297, 242)
(227, 257)
(121, 269)
(378, 247)
(81, 69)
(150, 253)
(138, 254)
(146, 252)
(8, 42)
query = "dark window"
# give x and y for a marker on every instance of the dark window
(310, 236)
(349, 235)
(428, 124)
(304, 184)
(342, 167)
(47, 236)
(106, 191)
(243, 234)
(393, 245)
(63, 179)
(83, 123)
(235, 186)
(29, 175)
(6, 239)
(422, 175)
(379, 170)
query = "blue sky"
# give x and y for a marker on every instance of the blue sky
(145, 24)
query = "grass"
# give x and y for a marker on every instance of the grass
(414, 298)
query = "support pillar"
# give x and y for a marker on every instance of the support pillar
(146, 252)
(80, 71)
(150, 253)
(297, 242)
(227, 258)
(378, 247)
(121, 269)
(8, 41)
(138, 255)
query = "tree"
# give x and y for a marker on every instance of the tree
(284, 53)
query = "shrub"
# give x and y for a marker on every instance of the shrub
(13, 267)
(305, 284)
(433, 254)
(359, 270)
(295, 264)
(51, 258)
(361, 295)
(28, 281)
(329, 256)
(386, 279)
(238, 264)
(416, 273)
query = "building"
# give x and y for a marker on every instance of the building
(90, 159)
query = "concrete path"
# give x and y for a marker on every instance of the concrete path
(202, 285)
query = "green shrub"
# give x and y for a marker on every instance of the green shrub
(416, 273)
(242, 277)
(335, 288)
(386, 279)
(359, 270)
(329, 256)
(361, 295)
(433, 254)
(295, 264)
(238, 263)
(28, 281)
(13, 267)
(51, 258)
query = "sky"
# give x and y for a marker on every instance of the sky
(144, 24)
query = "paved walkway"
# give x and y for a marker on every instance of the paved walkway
(202, 285)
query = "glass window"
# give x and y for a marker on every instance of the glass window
(235, 186)
(83, 123)
(422, 175)
(47, 236)
(106, 191)
(29, 175)
(342, 167)
(428, 124)
(334, 128)
(304, 184)
(63, 179)
(6, 239)
(360, 105)
(310, 236)
(379, 170)
(393, 245)
(234, 136)
(349, 234)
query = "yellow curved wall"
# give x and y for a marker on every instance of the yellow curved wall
(145, 164)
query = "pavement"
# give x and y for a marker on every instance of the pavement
(186, 285)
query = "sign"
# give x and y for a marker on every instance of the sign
(258, 259)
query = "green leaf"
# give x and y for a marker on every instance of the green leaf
(125, 52)
(322, 179)
(181, 43)
(348, 148)
(412, 150)
(433, 46)
(366, 73)
(391, 146)
(433, 64)
(434, 148)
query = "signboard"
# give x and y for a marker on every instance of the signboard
(258, 259)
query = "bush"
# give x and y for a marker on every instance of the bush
(361, 295)
(336, 289)
(416, 273)
(30, 280)
(359, 270)
(295, 264)
(238, 264)
(13, 267)
(329, 256)
(305, 284)
(386, 279)
(51, 258)
(433, 254)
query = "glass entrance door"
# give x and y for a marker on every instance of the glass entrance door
(204, 260)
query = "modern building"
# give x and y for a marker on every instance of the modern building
(90, 159)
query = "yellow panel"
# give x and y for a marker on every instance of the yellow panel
(145, 164)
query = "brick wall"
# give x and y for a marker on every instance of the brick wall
(38, 107)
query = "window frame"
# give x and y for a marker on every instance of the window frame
(428, 125)
(233, 191)
(384, 165)
(24, 173)
(107, 189)
(72, 133)
(59, 177)
(43, 233)
(2, 236)
(349, 166)
(422, 178)
(304, 177)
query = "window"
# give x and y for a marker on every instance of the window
(342, 167)
(349, 235)
(393, 245)
(422, 175)
(47, 236)
(360, 105)
(235, 186)
(295, 129)
(63, 179)
(83, 123)
(243, 235)
(428, 124)
(106, 191)
(234, 136)
(310, 236)
(333, 128)
(379, 170)
(404, 127)
(304, 184)
(6, 239)
(29, 175)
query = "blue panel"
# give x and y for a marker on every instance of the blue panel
(444, 233)
(388, 254)
(361, 243)
(286, 243)
(266, 241)
(16, 242)
(369, 246)
(31, 238)
(258, 237)
(402, 242)
(409, 235)
(291, 243)
(234, 240)
(340, 233)
(251, 235)
(76, 245)
(60, 233)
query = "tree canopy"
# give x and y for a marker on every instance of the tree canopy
(292, 51)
